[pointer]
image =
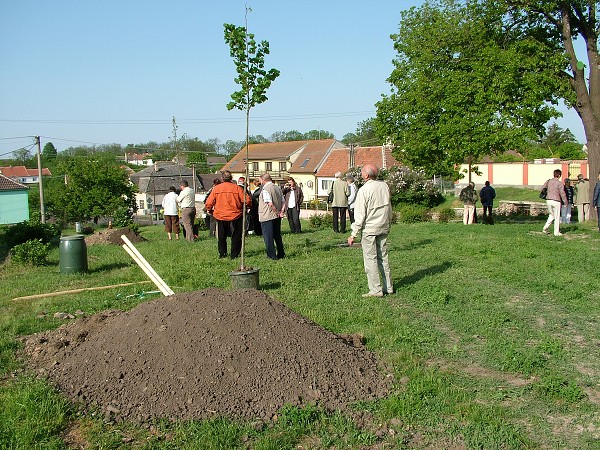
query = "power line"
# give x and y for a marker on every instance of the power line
(8, 153)
(192, 120)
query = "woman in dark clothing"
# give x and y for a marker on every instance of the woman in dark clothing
(596, 199)
(565, 210)
(254, 208)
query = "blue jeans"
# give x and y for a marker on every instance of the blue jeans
(271, 231)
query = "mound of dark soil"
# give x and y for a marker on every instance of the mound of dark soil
(205, 353)
(113, 236)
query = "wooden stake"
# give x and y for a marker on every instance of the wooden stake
(77, 291)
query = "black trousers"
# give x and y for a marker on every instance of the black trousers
(293, 216)
(233, 228)
(339, 219)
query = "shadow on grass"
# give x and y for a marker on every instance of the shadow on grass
(420, 274)
(108, 267)
(414, 245)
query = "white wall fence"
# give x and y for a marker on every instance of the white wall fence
(522, 174)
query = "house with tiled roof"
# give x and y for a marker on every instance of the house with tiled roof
(22, 174)
(342, 159)
(138, 159)
(153, 184)
(299, 159)
(14, 201)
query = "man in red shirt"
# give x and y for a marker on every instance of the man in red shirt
(226, 202)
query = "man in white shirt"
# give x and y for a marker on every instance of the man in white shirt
(373, 216)
(270, 205)
(187, 202)
(170, 213)
(351, 197)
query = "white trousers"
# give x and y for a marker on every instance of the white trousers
(553, 216)
(375, 258)
(583, 211)
(468, 214)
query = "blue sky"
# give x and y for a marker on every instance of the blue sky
(84, 72)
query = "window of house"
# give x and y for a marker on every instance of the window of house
(141, 204)
(326, 185)
(255, 166)
(305, 162)
(233, 164)
(268, 166)
(282, 166)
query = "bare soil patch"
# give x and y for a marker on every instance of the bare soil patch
(202, 354)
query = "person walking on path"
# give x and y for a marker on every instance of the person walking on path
(339, 205)
(270, 204)
(226, 203)
(468, 195)
(555, 196)
(293, 198)
(373, 217)
(582, 198)
(171, 213)
(596, 199)
(187, 202)
(352, 197)
(565, 209)
(487, 196)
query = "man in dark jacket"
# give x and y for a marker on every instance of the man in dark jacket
(487, 196)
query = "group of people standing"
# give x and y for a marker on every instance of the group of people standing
(560, 198)
(266, 204)
(468, 195)
(171, 204)
(370, 211)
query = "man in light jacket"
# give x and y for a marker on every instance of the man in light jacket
(339, 205)
(582, 198)
(555, 197)
(373, 216)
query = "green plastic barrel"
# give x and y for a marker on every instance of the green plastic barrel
(72, 254)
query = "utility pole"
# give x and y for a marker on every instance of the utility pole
(39, 161)
(174, 136)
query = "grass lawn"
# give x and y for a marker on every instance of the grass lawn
(492, 336)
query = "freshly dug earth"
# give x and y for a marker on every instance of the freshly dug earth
(113, 236)
(202, 354)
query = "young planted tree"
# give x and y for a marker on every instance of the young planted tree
(254, 80)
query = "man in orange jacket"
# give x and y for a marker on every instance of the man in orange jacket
(226, 202)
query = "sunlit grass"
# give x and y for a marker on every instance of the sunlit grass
(491, 336)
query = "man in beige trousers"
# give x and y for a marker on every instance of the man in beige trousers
(373, 216)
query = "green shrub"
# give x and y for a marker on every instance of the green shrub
(134, 227)
(446, 214)
(30, 230)
(406, 186)
(413, 214)
(122, 217)
(320, 220)
(33, 252)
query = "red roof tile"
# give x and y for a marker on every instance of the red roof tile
(305, 156)
(6, 184)
(21, 171)
(339, 160)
